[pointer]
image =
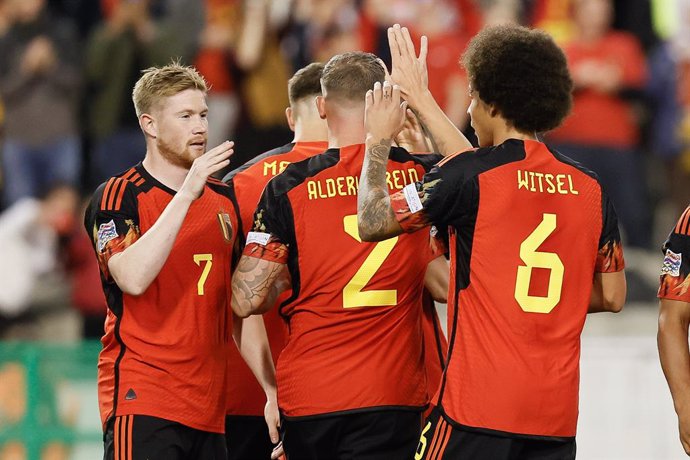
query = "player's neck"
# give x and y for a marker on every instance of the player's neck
(310, 132)
(168, 174)
(504, 133)
(347, 132)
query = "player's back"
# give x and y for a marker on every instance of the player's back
(244, 394)
(354, 318)
(526, 247)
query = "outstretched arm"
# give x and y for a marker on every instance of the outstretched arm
(409, 71)
(384, 118)
(672, 340)
(252, 342)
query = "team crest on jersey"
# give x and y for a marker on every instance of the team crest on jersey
(106, 232)
(225, 226)
(672, 262)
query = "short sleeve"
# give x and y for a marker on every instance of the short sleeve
(437, 199)
(273, 228)
(674, 282)
(610, 254)
(112, 220)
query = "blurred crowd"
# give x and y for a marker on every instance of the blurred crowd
(67, 122)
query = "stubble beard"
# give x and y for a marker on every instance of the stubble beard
(182, 158)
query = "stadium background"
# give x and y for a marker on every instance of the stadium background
(51, 305)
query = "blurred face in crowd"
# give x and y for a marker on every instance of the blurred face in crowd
(181, 127)
(25, 10)
(60, 209)
(593, 17)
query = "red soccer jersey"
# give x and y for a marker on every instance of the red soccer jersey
(164, 352)
(355, 334)
(528, 228)
(674, 283)
(244, 394)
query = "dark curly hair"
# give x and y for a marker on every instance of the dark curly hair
(523, 73)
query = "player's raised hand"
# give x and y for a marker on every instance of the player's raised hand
(384, 114)
(409, 70)
(411, 137)
(210, 162)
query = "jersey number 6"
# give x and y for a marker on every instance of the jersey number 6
(353, 294)
(535, 259)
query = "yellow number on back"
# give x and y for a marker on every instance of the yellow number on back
(535, 259)
(198, 258)
(421, 448)
(353, 295)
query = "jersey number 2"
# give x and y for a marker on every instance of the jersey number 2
(353, 294)
(535, 259)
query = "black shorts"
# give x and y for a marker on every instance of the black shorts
(247, 438)
(441, 441)
(375, 435)
(135, 437)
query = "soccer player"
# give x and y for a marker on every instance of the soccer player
(351, 377)
(245, 429)
(534, 247)
(674, 319)
(163, 233)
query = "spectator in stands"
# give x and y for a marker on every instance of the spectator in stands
(217, 43)
(29, 233)
(130, 40)
(39, 86)
(607, 68)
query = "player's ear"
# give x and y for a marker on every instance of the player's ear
(321, 106)
(148, 125)
(290, 119)
(493, 111)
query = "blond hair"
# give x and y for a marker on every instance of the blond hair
(157, 83)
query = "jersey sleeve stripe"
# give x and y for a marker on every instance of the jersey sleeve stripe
(120, 195)
(114, 191)
(106, 193)
(682, 226)
(129, 174)
(140, 181)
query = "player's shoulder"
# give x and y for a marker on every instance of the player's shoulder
(426, 160)
(220, 187)
(120, 191)
(256, 164)
(295, 174)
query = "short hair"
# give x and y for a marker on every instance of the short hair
(157, 83)
(523, 73)
(349, 76)
(305, 82)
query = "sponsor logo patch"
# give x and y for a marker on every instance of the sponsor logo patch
(106, 233)
(672, 262)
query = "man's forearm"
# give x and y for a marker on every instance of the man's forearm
(674, 355)
(256, 284)
(445, 136)
(252, 342)
(376, 220)
(136, 267)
